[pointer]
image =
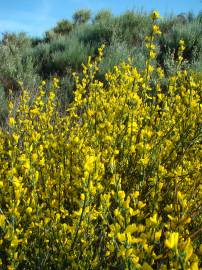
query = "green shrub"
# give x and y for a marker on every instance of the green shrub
(16, 64)
(82, 16)
(97, 34)
(41, 56)
(65, 92)
(63, 27)
(74, 54)
(3, 107)
(191, 33)
(115, 54)
(132, 27)
(103, 15)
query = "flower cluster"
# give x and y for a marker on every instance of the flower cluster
(114, 183)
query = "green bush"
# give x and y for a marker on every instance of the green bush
(81, 16)
(115, 54)
(132, 27)
(74, 54)
(16, 64)
(191, 33)
(97, 34)
(103, 15)
(65, 93)
(63, 27)
(41, 56)
(3, 107)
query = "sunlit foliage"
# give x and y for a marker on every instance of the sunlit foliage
(115, 183)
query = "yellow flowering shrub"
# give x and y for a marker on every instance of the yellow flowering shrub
(115, 182)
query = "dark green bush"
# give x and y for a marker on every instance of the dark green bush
(81, 16)
(65, 94)
(63, 27)
(103, 15)
(97, 34)
(3, 107)
(16, 63)
(133, 27)
(74, 54)
(41, 56)
(191, 33)
(115, 54)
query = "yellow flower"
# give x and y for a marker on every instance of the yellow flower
(146, 266)
(181, 45)
(180, 58)
(42, 162)
(152, 54)
(11, 121)
(155, 15)
(172, 241)
(181, 42)
(11, 267)
(1, 184)
(122, 251)
(141, 204)
(26, 165)
(89, 164)
(29, 210)
(131, 228)
(188, 249)
(136, 194)
(135, 259)
(117, 212)
(154, 219)
(160, 72)
(121, 195)
(156, 29)
(144, 161)
(34, 110)
(2, 220)
(82, 196)
(121, 237)
(16, 137)
(34, 156)
(194, 266)
(55, 82)
(158, 235)
(14, 242)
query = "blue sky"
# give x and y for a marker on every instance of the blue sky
(36, 16)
